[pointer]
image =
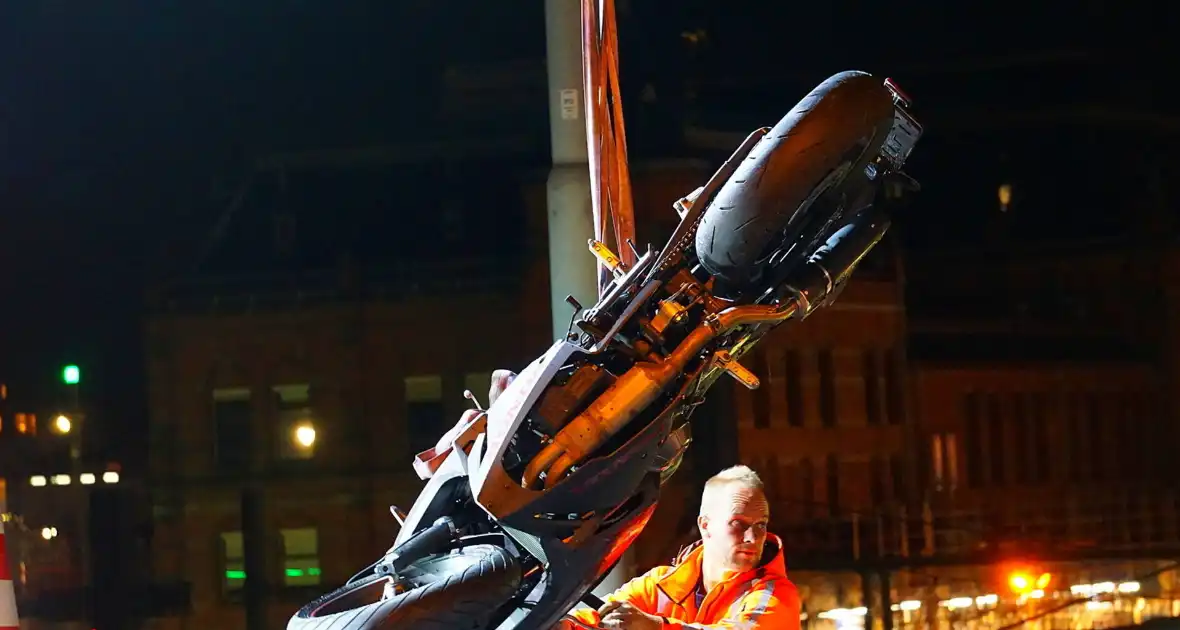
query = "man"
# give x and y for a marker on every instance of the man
(734, 578)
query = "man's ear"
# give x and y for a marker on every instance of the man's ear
(703, 525)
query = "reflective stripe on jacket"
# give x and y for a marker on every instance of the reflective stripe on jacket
(759, 599)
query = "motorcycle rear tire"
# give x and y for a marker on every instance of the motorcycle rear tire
(479, 580)
(837, 128)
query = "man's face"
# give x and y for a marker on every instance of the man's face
(733, 527)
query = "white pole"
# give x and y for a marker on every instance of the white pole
(572, 268)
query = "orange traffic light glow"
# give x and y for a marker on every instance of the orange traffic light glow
(1022, 582)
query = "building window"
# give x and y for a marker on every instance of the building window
(827, 389)
(807, 489)
(762, 394)
(25, 423)
(1041, 458)
(1021, 445)
(1095, 410)
(898, 474)
(301, 553)
(872, 380)
(425, 413)
(1075, 434)
(936, 463)
(944, 461)
(233, 561)
(951, 444)
(975, 446)
(296, 421)
(833, 486)
(997, 447)
(877, 487)
(794, 378)
(894, 392)
(232, 424)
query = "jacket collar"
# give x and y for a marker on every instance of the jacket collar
(680, 583)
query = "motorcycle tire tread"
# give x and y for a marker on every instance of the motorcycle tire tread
(461, 600)
(848, 112)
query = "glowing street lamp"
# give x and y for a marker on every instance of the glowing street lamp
(62, 424)
(304, 435)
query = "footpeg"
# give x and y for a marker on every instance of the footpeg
(747, 378)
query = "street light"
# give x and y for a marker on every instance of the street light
(62, 424)
(49, 533)
(71, 375)
(304, 435)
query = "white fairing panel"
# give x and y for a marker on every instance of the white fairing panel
(487, 475)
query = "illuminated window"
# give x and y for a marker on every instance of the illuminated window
(296, 421)
(301, 564)
(25, 423)
(233, 561)
(1005, 195)
(425, 413)
(944, 461)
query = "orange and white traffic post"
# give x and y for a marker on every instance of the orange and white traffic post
(8, 618)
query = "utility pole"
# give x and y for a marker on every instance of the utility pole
(256, 588)
(572, 269)
(73, 427)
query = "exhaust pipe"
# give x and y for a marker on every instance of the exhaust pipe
(818, 282)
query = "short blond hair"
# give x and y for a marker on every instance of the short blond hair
(740, 475)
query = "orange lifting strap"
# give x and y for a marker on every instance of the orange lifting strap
(606, 138)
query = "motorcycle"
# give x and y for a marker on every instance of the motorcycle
(530, 503)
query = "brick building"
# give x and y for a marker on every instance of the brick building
(1047, 401)
(883, 406)
(318, 388)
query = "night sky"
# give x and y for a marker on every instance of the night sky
(117, 117)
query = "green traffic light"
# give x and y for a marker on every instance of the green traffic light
(71, 375)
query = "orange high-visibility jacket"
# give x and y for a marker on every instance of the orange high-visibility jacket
(759, 599)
